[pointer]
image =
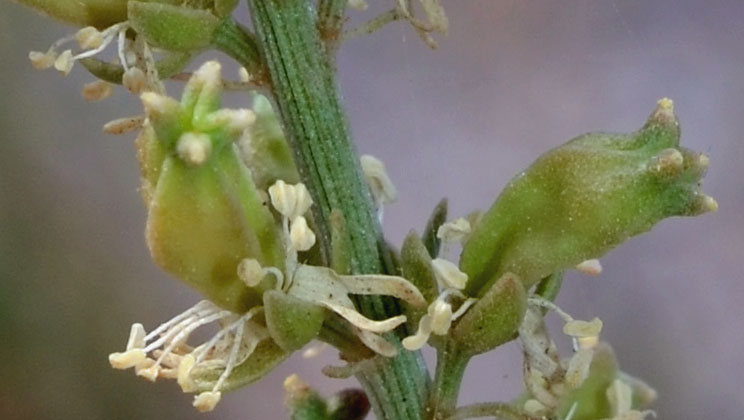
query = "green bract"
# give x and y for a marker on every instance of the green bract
(205, 214)
(583, 198)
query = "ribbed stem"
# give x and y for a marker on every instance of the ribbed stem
(451, 365)
(305, 91)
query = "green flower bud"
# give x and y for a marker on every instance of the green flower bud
(205, 213)
(292, 322)
(494, 319)
(581, 199)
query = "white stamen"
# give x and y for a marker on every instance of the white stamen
(578, 328)
(123, 125)
(382, 188)
(89, 37)
(97, 91)
(291, 201)
(454, 232)
(42, 61)
(136, 337)
(64, 62)
(134, 80)
(441, 317)
(591, 267)
(300, 234)
(251, 272)
(206, 401)
(243, 75)
(314, 350)
(448, 274)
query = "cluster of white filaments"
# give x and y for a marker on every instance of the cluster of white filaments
(321, 285)
(165, 353)
(92, 42)
(548, 378)
(451, 303)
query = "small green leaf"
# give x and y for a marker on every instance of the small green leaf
(494, 319)
(292, 322)
(437, 218)
(417, 268)
(174, 28)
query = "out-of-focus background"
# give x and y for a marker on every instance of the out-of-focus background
(512, 79)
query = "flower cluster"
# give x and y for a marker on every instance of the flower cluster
(248, 266)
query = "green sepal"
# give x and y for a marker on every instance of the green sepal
(591, 397)
(580, 200)
(265, 149)
(150, 153)
(437, 218)
(173, 28)
(494, 319)
(416, 266)
(263, 360)
(292, 322)
(168, 66)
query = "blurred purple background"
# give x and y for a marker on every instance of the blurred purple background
(512, 79)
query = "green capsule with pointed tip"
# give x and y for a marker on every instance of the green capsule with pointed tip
(580, 200)
(205, 215)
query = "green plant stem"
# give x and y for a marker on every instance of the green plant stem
(451, 365)
(237, 42)
(305, 91)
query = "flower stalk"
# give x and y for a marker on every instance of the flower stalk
(305, 90)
